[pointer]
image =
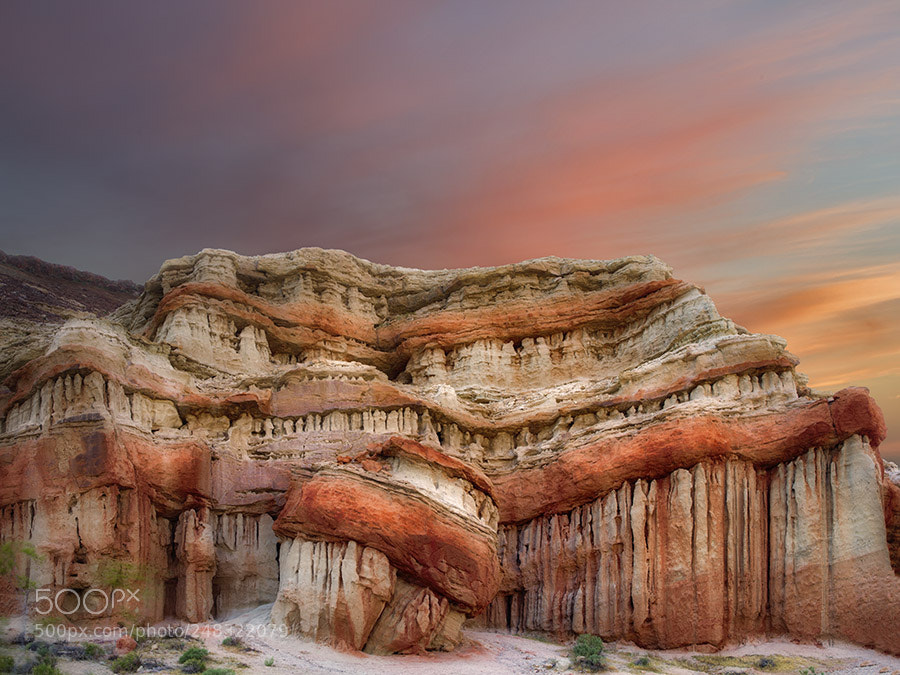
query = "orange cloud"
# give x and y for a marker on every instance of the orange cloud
(598, 166)
(817, 297)
(799, 233)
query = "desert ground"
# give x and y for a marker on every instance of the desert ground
(483, 653)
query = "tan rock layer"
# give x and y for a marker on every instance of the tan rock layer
(291, 399)
(404, 447)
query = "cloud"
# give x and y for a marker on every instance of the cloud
(818, 297)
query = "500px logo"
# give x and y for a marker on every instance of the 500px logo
(94, 601)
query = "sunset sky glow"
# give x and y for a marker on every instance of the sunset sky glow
(752, 145)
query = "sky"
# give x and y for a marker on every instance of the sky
(752, 145)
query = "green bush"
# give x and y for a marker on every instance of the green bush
(232, 642)
(642, 661)
(93, 652)
(46, 661)
(129, 663)
(7, 663)
(46, 668)
(193, 666)
(269, 662)
(218, 671)
(194, 654)
(588, 645)
(766, 663)
(811, 671)
(588, 652)
(42, 649)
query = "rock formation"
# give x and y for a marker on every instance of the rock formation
(386, 453)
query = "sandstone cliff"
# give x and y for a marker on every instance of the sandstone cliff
(386, 453)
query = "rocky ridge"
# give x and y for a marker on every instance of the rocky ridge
(36, 295)
(387, 453)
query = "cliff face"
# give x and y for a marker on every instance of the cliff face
(385, 453)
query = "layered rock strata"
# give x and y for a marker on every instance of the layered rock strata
(386, 453)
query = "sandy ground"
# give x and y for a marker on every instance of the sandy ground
(484, 652)
(498, 653)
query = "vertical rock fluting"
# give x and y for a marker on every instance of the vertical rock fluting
(829, 569)
(246, 562)
(380, 450)
(711, 554)
(195, 551)
(333, 591)
(674, 561)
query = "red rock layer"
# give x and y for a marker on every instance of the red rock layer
(578, 475)
(433, 547)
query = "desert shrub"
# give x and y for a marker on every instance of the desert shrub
(811, 671)
(46, 655)
(45, 664)
(7, 663)
(766, 663)
(45, 668)
(194, 654)
(119, 574)
(588, 652)
(642, 661)
(269, 662)
(232, 641)
(193, 666)
(218, 671)
(588, 645)
(129, 663)
(41, 648)
(92, 651)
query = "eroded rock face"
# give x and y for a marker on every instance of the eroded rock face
(333, 590)
(563, 446)
(409, 622)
